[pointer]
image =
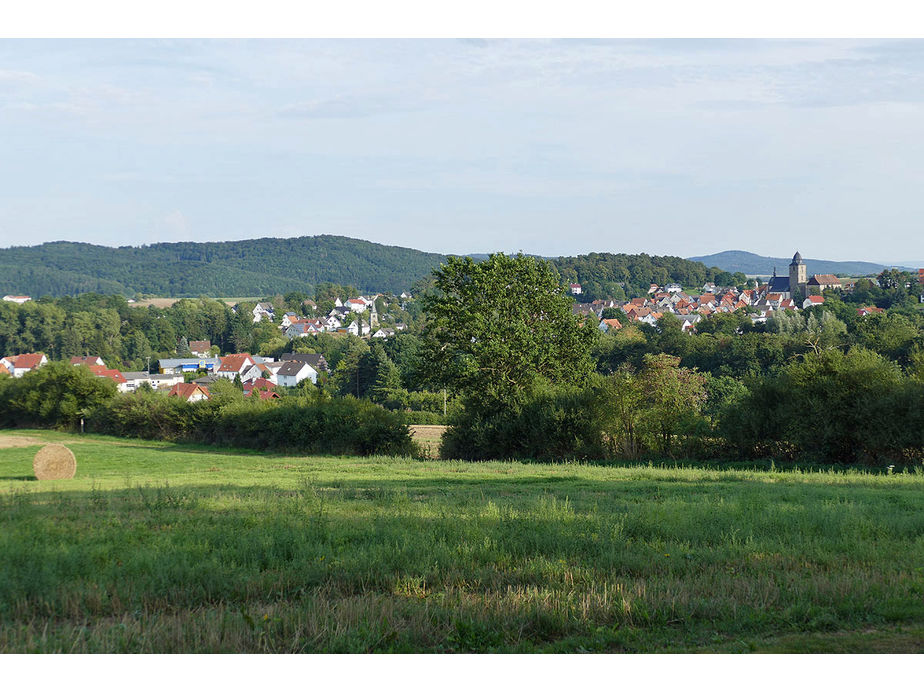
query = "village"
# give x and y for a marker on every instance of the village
(794, 292)
(265, 377)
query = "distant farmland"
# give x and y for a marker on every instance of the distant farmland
(167, 302)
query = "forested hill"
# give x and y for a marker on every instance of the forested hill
(608, 275)
(266, 266)
(749, 263)
(258, 267)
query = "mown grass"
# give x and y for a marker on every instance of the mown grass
(163, 548)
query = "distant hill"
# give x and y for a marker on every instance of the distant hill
(749, 263)
(258, 267)
(266, 266)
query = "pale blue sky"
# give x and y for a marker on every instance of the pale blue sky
(552, 147)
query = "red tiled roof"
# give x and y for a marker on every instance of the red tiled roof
(817, 300)
(824, 279)
(26, 361)
(613, 322)
(84, 360)
(110, 373)
(234, 363)
(187, 390)
(258, 384)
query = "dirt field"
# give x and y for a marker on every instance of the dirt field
(19, 442)
(429, 437)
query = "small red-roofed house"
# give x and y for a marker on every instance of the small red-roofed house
(234, 365)
(113, 374)
(21, 364)
(191, 392)
(200, 347)
(356, 305)
(707, 298)
(610, 324)
(869, 310)
(87, 361)
(258, 385)
(813, 301)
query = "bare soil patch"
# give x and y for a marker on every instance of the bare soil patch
(19, 442)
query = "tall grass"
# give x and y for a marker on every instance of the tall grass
(159, 548)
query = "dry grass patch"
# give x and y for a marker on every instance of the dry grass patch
(429, 438)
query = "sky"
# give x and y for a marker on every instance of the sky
(553, 147)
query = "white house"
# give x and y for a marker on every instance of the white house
(812, 301)
(576, 289)
(303, 328)
(291, 373)
(235, 365)
(357, 305)
(17, 299)
(21, 364)
(191, 392)
(263, 310)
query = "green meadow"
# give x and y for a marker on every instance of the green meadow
(156, 547)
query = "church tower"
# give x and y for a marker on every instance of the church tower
(797, 276)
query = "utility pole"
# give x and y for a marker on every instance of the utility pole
(444, 402)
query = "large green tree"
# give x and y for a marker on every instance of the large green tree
(494, 327)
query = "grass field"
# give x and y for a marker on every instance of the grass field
(162, 548)
(167, 302)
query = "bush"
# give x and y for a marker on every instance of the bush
(832, 407)
(300, 425)
(55, 395)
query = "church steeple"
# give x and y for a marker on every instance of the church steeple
(797, 276)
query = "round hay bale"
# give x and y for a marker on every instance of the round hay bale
(54, 462)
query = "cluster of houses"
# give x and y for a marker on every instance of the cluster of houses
(357, 316)
(257, 374)
(778, 294)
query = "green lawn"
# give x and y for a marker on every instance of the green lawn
(162, 548)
